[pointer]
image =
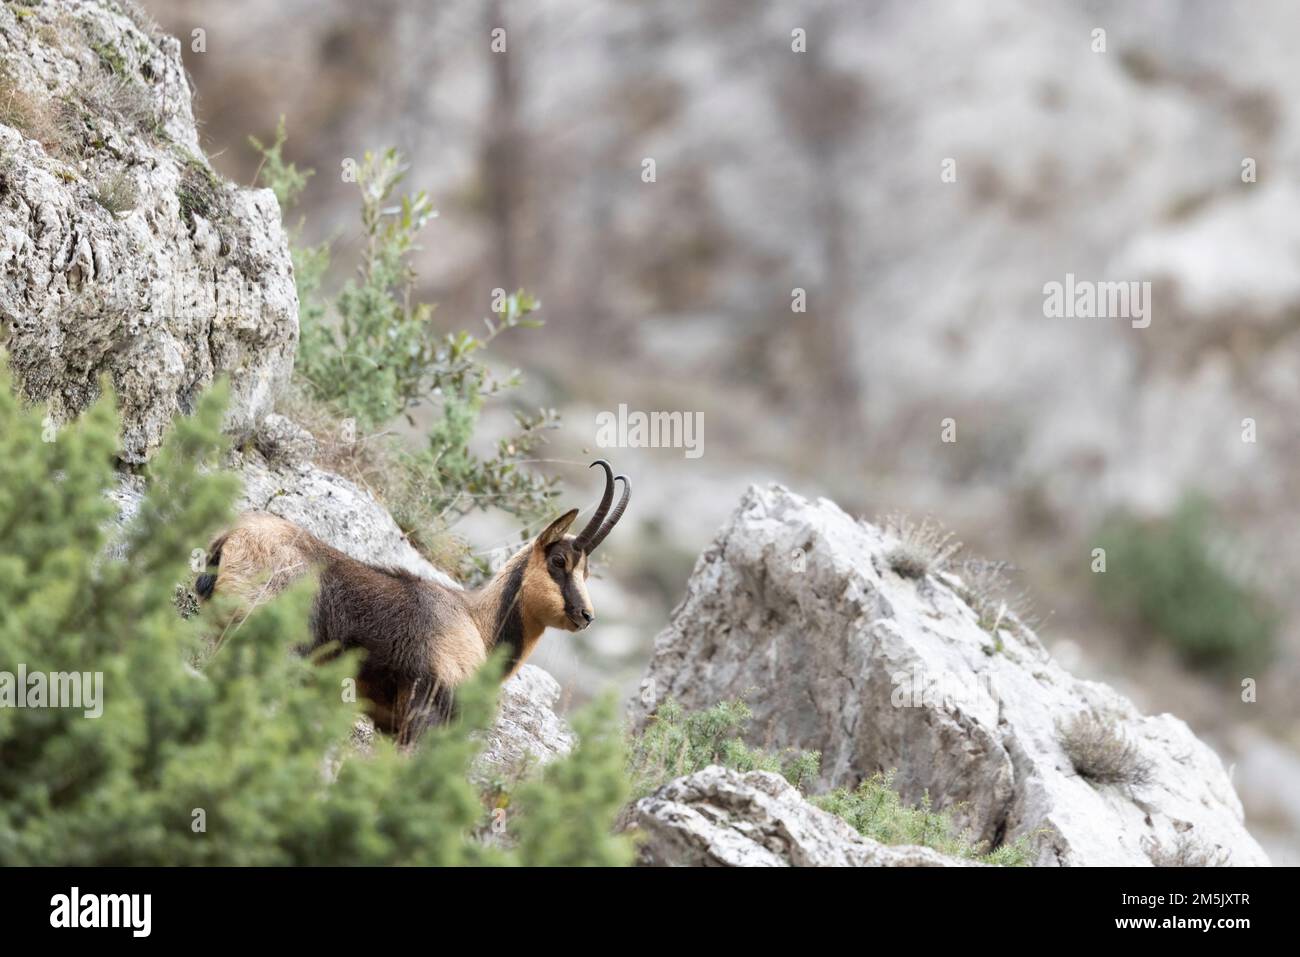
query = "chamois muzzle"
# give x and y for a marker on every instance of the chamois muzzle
(604, 520)
(581, 618)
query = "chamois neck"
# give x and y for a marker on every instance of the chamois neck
(499, 613)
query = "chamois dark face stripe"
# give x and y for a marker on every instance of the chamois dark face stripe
(564, 578)
(510, 618)
(558, 573)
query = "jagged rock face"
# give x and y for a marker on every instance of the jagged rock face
(121, 252)
(795, 606)
(720, 818)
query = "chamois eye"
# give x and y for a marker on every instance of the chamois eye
(557, 561)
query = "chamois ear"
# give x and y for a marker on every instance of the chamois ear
(555, 531)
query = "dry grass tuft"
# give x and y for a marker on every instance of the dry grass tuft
(376, 462)
(108, 93)
(1101, 753)
(117, 193)
(987, 587)
(923, 548)
(1186, 852)
(24, 113)
(139, 16)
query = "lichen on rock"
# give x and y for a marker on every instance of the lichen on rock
(122, 253)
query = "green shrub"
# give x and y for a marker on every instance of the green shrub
(373, 355)
(1166, 576)
(565, 815)
(212, 748)
(676, 742)
(876, 811)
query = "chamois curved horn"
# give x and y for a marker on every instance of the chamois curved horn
(583, 541)
(614, 516)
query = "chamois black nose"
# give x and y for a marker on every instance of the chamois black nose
(587, 616)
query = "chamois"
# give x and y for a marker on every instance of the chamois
(421, 639)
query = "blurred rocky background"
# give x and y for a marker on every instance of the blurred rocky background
(777, 170)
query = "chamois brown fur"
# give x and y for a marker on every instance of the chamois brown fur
(421, 638)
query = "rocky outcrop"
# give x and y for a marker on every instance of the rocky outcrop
(720, 818)
(796, 607)
(527, 732)
(283, 441)
(336, 511)
(122, 254)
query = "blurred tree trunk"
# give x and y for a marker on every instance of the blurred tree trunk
(501, 151)
(822, 107)
(831, 343)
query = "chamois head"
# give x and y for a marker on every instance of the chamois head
(555, 577)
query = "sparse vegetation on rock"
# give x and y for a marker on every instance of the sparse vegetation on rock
(923, 547)
(718, 817)
(1100, 752)
(117, 193)
(95, 115)
(19, 110)
(677, 742)
(1186, 851)
(876, 811)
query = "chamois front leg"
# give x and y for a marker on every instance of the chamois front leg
(418, 706)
